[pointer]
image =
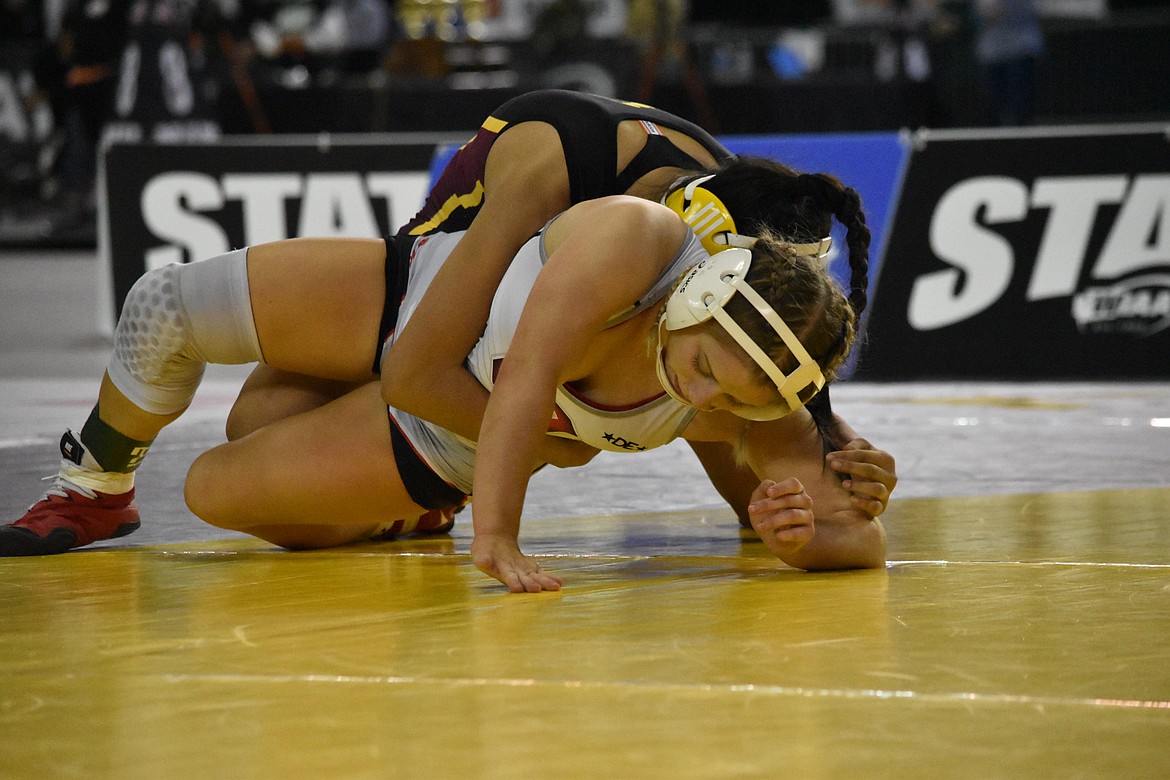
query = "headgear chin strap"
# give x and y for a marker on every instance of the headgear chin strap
(702, 294)
(712, 223)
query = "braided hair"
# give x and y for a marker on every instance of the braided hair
(807, 298)
(767, 198)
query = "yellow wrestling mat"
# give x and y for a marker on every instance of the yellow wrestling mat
(1012, 636)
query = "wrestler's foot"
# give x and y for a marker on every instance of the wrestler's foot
(69, 516)
(434, 522)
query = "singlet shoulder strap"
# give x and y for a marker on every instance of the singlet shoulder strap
(588, 134)
(587, 126)
(690, 253)
(659, 152)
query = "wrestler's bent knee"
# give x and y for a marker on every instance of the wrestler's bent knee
(204, 494)
(242, 419)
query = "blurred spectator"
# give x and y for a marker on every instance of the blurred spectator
(27, 138)
(659, 27)
(1008, 44)
(901, 49)
(80, 78)
(164, 93)
(957, 72)
(88, 49)
(349, 34)
(558, 27)
(221, 39)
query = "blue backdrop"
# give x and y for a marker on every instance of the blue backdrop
(871, 163)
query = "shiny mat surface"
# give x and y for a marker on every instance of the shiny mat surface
(1022, 629)
(1024, 636)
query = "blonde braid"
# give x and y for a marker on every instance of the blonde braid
(806, 297)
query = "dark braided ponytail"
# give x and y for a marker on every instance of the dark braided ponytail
(829, 194)
(766, 196)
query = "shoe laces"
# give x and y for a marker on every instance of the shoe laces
(62, 487)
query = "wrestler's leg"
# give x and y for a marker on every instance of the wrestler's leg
(295, 304)
(320, 478)
(270, 394)
(318, 304)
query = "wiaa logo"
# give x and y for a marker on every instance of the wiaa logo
(1138, 306)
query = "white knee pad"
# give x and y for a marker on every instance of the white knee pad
(175, 321)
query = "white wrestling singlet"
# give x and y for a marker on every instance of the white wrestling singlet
(647, 425)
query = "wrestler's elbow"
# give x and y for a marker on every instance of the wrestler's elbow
(861, 545)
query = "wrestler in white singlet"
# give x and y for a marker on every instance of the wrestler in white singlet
(644, 426)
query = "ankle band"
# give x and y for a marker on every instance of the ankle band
(112, 450)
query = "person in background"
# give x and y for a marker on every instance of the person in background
(1009, 43)
(87, 52)
(353, 34)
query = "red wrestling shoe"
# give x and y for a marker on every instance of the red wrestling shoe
(69, 516)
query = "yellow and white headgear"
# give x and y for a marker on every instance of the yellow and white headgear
(712, 223)
(702, 294)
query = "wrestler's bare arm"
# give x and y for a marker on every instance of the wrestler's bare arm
(800, 509)
(526, 184)
(571, 301)
(870, 474)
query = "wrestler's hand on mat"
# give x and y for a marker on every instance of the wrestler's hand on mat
(869, 475)
(566, 453)
(500, 557)
(782, 515)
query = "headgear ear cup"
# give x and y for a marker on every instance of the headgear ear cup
(713, 224)
(703, 212)
(702, 294)
(705, 287)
